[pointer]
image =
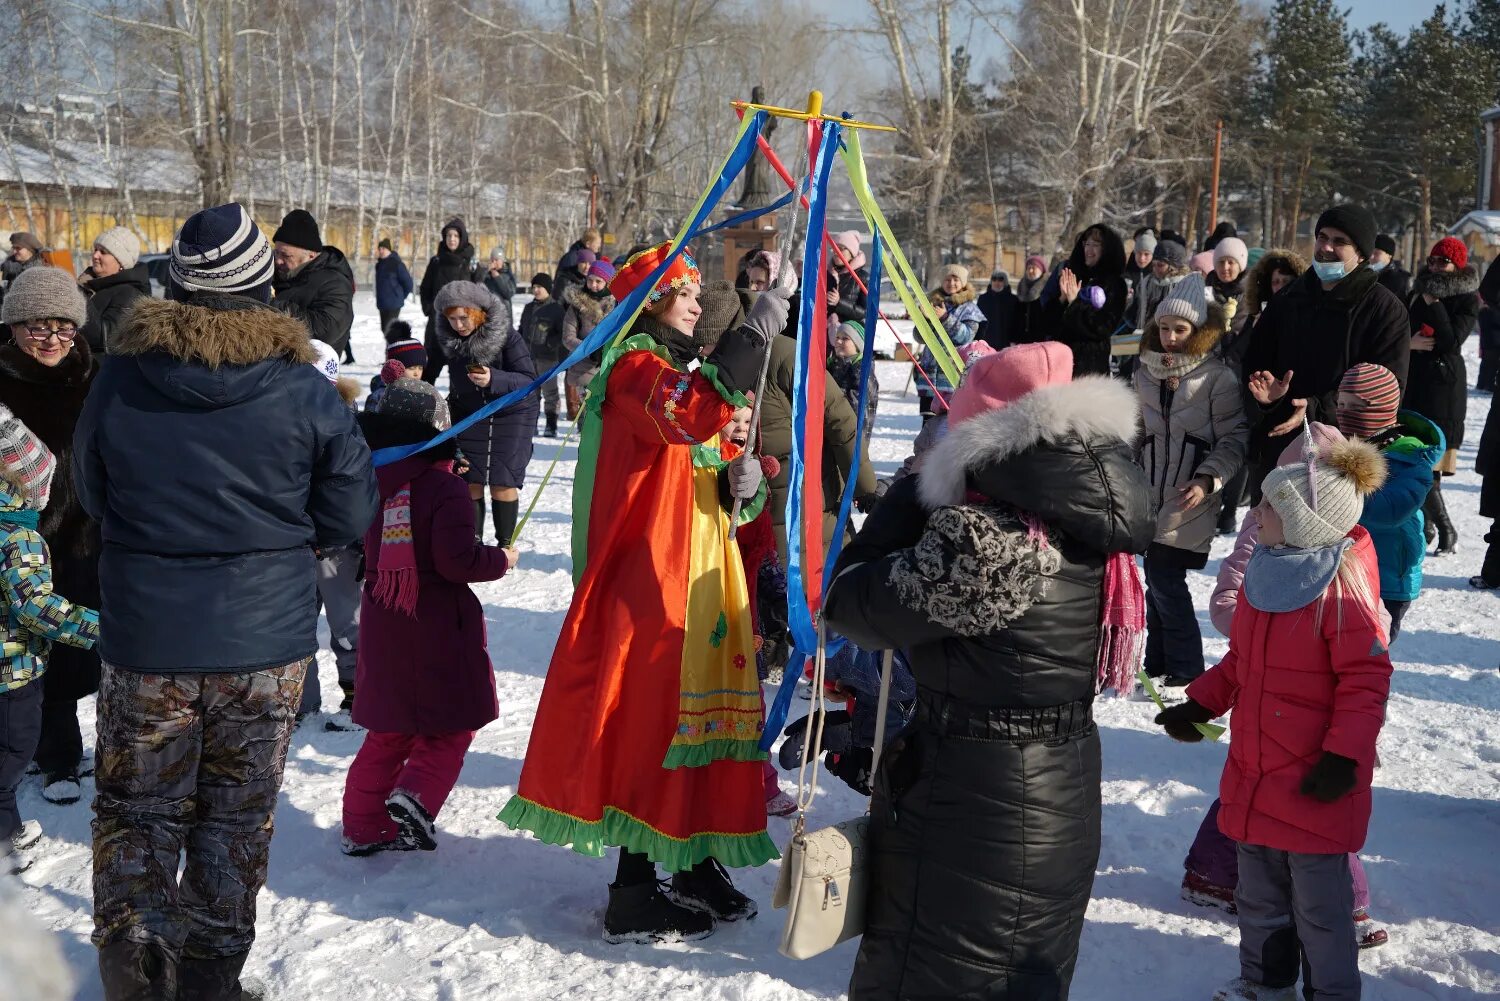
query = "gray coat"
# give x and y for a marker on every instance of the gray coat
(1196, 428)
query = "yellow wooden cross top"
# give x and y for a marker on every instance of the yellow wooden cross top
(814, 112)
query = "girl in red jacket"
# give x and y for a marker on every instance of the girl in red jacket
(1307, 675)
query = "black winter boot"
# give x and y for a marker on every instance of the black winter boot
(551, 431)
(418, 828)
(479, 520)
(706, 887)
(505, 513)
(1447, 543)
(643, 914)
(214, 980)
(1430, 514)
(135, 971)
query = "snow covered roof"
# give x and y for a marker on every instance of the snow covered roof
(1486, 223)
(1494, 112)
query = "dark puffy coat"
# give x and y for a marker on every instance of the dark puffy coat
(392, 282)
(321, 295)
(1437, 386)
(446, 266)
(1230, 296)
(1078, 324)
(1396, 279)
(1319, 335)
(498, 447)
(428, 674)
(502, 283)
(985, 828)
(108, 299)
(541, 329)
(48, 401)
(218, 462)
(1000, 311)
(852, 298)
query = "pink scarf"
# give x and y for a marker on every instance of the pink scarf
(1122, 624)
(396, 563)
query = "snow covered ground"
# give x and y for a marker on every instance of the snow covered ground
(494, 915)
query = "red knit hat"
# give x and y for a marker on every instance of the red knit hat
(638, 269)
(1451, 248)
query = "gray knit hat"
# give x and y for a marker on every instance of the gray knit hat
(1187, 299)
(1146, 241)
(43, 293)
(1321, 505)
(121, 244)
(415, 400)
(1170, 251)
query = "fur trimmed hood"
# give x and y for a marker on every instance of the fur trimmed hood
(212, 330)
(1090, 409)
(485, 345)
(591, 308)
(1258, 278)
(1204, 339)
(349, 389)
(963, 295)
(1446, 284)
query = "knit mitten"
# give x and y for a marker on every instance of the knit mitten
(1330, 779)
(1178, 721)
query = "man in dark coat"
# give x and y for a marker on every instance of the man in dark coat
(1333, 317)
(115, 278)
(453, 262)
(1391, 274)
(999, 306)
(313, 282)
(393, 284)
(497, 276)
(209, 590)
(1077, 317)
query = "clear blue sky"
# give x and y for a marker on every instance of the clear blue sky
(1399, 14)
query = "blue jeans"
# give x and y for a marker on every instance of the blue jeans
(1174, 645)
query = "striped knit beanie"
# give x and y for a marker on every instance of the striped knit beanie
(1379, 394)
(25, 462)
(221, 250)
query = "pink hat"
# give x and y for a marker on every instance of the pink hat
(1325, 436)
(1202, 263)
(998, 380)
(975, 350)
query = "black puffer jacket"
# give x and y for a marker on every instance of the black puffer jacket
(986, 817)
(1318, 335)
(1438, 385)
(108, 300)
(48, 401)
(321, 295)
(498, 447)
(1078, 324)
(217, 461)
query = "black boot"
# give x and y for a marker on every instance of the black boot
(134, 971)
(706, 887)
(642, 913)
(505, 513)
(214, 980)
(1447, 543)
(479, 520)
(551, 431)
(1430, 514)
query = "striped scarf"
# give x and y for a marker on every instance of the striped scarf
(396, 580)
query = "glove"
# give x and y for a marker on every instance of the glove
(745, 476)
(1178, 721)
(867, 503)
(1331, 778)
(768, 316)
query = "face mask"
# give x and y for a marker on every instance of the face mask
(1329, 271)
(1378, 265)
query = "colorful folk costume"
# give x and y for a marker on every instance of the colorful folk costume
(648, 728)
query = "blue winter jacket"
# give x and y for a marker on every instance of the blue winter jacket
(1393, 514)
(217, 462)
(393, 282)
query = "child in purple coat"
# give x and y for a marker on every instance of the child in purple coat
(425, 682)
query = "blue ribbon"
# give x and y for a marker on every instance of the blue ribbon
(799, 615)
(611, 324)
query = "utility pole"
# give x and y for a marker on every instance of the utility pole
(1213, 197)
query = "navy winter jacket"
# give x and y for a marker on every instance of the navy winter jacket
(393, 282)
(218, 461)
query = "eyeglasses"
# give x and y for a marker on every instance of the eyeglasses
(1438, 262)
(64, 333)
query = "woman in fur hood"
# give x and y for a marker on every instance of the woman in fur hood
(996, 568)
(584, 305)
(1444, 310)
(1193, 438)
(1273, 272)
(473, 328)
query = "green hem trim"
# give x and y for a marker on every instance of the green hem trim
(620, 829)
(735, 398)
(751, 509)
(706, 753)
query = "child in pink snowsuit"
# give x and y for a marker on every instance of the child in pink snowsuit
(425, 682)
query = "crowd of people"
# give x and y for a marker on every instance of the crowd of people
(1114, 413)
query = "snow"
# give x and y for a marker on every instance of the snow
(497, 915)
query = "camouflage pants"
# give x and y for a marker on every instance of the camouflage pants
(187, 763)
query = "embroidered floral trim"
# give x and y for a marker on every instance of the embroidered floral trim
(976, 569)
(672, 404)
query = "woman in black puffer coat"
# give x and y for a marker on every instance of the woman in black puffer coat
(1444, 310)
(453, 262)
(489, 359)
(1066, 311)
(985, 830)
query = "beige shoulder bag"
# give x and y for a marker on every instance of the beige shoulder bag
(824, 876)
